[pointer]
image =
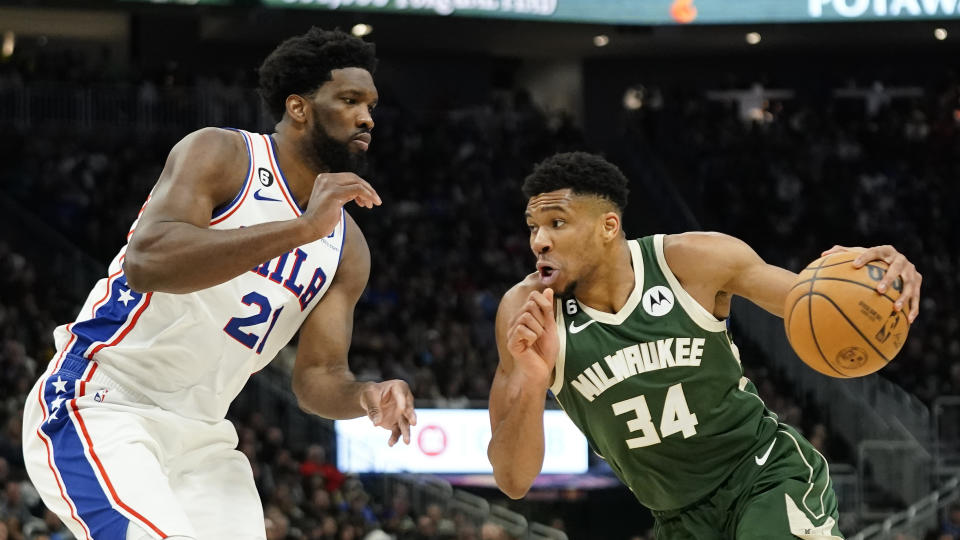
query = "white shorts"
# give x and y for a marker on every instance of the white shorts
(102, 460)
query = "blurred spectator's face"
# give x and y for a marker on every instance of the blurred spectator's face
(321, 499)
(4, 534)
(426, 526)
(341, 119)
(491, 531)
(316, 454)
(329, 526)
(566, 236)
(13, 493)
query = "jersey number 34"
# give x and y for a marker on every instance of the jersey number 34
(676, 418)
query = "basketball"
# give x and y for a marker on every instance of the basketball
(838, 323)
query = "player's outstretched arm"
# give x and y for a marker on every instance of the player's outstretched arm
(708, 264)
(527, 343)
(174, 250)
(322, 380)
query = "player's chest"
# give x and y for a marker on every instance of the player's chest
(603, 361)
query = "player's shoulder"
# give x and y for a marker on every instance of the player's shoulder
(517, 295)
(212, 144)
(695, 245)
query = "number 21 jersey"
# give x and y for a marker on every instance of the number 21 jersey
(192, 353)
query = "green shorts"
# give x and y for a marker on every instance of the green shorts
(783, 493)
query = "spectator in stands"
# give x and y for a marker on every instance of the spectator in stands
(951, 523)
(316, 464)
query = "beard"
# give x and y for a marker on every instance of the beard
(335, 155)
(567, 292)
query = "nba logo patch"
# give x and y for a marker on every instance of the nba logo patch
(100, 396)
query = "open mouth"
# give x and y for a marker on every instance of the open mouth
(548, 274)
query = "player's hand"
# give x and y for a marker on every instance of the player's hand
(330, 192)
(532, 338)
(898, 267)
(389, 405)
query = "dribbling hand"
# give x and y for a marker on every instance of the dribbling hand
(532, 338)
(330, 192)
(898, 267)
(389, 405)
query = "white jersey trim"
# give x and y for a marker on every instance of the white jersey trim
(697, 312)
(281, 179)
(225, 212)
(561, 350)
(635, 296)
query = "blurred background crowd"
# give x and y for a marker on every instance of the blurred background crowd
(791, 172)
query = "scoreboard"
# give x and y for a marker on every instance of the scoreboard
(637, 12)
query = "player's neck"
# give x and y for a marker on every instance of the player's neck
(297, 166)
(609, 285)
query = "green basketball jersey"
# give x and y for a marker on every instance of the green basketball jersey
(658, 389)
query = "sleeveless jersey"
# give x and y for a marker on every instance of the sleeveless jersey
(657, 388)
(192, 353)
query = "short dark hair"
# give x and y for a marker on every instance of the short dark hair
(302, 64)
(583, 173)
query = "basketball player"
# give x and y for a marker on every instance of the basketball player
(629, 335)
(242, 242)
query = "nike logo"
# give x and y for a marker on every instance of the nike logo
(259, 197)
(763, 459)
(574, 329)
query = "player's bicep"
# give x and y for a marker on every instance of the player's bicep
(749, 276)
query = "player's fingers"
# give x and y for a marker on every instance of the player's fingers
(532, 308)
(516, 341)
(876, 253)
(360, 192)
(525, 335)
(910, 297)
(531, 322)
(405, 430)
(394, 436)
(835, 249)
(895, 271)
(544, 305)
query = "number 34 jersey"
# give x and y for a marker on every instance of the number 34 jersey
(192, 353)
(657, 388)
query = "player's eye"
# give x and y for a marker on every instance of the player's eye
(531, 227)
(558, 223)
(349, 101)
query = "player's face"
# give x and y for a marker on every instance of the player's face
(565, 237)
(342, 121)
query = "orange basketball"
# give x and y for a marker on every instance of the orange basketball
(838, 323)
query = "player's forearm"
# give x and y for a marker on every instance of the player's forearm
(517, 444)
(177, 257)
(333, 395)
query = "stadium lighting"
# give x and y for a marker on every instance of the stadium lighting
(601, 40)
(940, 33)
(753, 38)
(361, 30)
(9, 40)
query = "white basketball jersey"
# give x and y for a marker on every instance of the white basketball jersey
(193, 353)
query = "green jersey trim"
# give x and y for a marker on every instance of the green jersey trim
(635, 296)
(697, 312)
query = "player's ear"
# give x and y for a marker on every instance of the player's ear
(611, 226)
(297, 108)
